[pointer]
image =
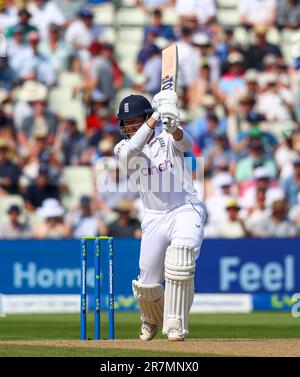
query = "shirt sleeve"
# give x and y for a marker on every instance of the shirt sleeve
(185, 144)
(132, 147)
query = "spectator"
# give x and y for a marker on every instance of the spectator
(294, 214)
(82, 32)
(261, 182)
(286, 152)
(125, 225)
(205, 10)
(291, 184)
(101, 76)
(41, 118)
(40, 190)
(83, 222)
(233, 79)
(24, 17)
(55, 50)
(188, 60)
(233, 226)
(256, 157)
(8, 15)
(99, 114)
(258, 212)
(288, 14)
(152, 72)
(14, 228)
(205, 47)
(7, 75)
(164, 31)
(17, 50)
(273, 103)
(253, 12)
(278, 224)
(9, 171)
(44, 13)
(256, 52)
(70, 142)
(216, 204)
(53, 226)
(69, 8)
(35, 65)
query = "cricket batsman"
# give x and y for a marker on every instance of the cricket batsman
(172, 227)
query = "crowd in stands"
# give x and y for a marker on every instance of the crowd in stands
(239, 101)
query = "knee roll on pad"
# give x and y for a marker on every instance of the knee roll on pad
(179, 290)
(150, 298)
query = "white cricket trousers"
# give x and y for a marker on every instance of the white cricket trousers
(183, 226)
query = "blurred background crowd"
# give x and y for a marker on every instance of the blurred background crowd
(64, 67)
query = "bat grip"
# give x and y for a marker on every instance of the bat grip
(165, 121)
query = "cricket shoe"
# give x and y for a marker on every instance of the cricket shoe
(175, 336)
(148, 331)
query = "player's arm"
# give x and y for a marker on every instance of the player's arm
(127, 149)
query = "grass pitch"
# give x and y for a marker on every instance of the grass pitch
(59, 327)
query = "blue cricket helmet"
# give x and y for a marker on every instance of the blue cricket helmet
(134, 106)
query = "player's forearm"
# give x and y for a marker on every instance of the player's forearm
(139, 139)
(182, 140)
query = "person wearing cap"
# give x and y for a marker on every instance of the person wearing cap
(44, 13)
(81, 32)
(41, 189)
(233, 78)
(273, 102)
(233, 226)
(276, 225)
(99, 117)
(256, 156)
(204, 46)
(152, 155)
(53, 225)
(253, 12)
(24, 17)
(9, 171)
(261, 181)
(14, 228)
(260, 48)
(222, 191)
(84, 221)
(126, 225)
(291, 184)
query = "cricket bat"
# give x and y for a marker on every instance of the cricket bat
(169, 71)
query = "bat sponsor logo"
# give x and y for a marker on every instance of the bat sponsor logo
(167, 83)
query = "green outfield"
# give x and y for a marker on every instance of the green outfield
(36, 328)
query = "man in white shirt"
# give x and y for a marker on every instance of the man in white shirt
(253, 12)
(43, 14)
(172, 228)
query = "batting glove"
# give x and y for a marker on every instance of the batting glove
(169, 115)
(165, 97)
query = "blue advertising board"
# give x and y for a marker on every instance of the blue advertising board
(267, 269)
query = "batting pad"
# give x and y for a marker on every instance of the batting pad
(151, 301)
(179, 290)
